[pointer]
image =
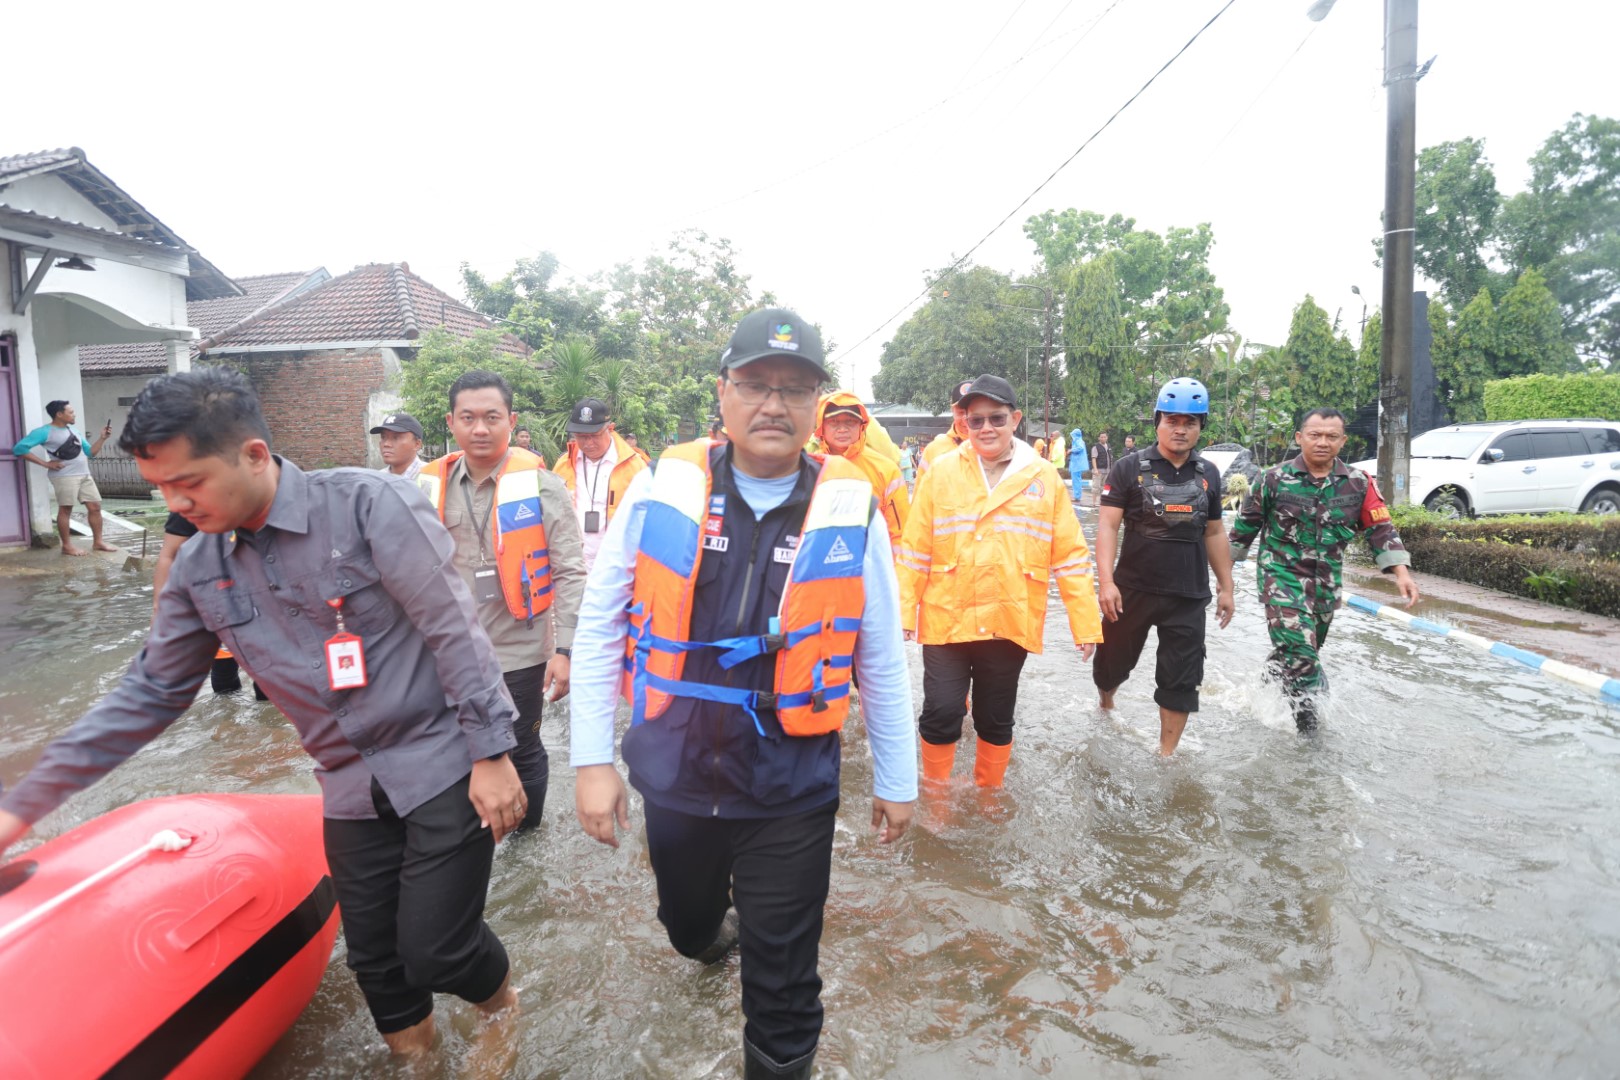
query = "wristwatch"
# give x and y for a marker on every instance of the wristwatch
(565, 650)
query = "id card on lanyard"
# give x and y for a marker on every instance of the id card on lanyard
(345, 655)
(486, 578)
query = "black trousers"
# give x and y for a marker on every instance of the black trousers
(1180, 668)
(987, 669)
(526, 685)
(411, 892)
(775, 872)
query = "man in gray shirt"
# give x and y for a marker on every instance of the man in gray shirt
(412, 759)
(520, 553)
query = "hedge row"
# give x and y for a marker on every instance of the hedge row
(1557, 577)
(1576, 534)
(1550, 397)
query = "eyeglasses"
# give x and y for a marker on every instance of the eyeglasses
(997, 420)
(757, 393)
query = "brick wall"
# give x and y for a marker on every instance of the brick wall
(315, 403)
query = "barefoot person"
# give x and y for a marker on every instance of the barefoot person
(1170, 501)
(66, 457)
(412, 758)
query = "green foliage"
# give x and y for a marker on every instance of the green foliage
(1457, 204)
(1567, 225)
(1324, 362)
(1552, 397)
(1520, 336)
(1529, 329)
(975, 323)
(1569, 559)
(441, 357)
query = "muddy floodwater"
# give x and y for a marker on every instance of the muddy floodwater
(1431, 888)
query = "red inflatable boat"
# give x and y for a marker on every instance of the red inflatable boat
(174, 937)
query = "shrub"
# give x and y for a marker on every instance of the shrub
(1563, 558)
(1553, 397)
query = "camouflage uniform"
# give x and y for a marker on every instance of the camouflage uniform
(1303, 525)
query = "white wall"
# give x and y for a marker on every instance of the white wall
(101, 396)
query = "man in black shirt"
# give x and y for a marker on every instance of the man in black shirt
(1102, 460)
(1170, 502)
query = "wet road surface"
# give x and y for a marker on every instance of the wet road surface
(1428, 889)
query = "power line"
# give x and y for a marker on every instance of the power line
(1263, 90)
(1025, 200)
(993, 39)
(778, 181)
(1089, 28)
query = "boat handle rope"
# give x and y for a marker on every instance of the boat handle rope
(167, 840)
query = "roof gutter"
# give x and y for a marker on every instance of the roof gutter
(311, 346)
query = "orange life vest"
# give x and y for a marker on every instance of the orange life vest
(522, 559)
(629, 462)
(813, 634)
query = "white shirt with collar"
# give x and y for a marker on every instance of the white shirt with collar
(592, 482)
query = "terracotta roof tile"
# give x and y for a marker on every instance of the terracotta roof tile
(208, 316)
(372, 303)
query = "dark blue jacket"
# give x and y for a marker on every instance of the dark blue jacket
(708, 759)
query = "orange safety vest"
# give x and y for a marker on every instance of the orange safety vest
(943, 443)
(629, 463)
(814, 631)
(522, 559)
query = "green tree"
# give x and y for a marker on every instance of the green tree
(441, 357)
(1567, 225)
(539, 312)
(1530, 331)
(1323, 362)
(1168, 293)
(975, 323)
(1103, 375)
(1469, 359)
(1456, 210)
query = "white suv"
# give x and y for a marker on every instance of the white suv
(1522, 466)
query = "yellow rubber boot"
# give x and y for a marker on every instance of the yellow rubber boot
(990, 764)
(937, 760)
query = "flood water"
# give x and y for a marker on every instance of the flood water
(1431, 888)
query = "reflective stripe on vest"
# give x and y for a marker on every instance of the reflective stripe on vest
(522, 559)
(813, 633)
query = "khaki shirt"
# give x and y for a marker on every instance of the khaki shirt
(517, 645)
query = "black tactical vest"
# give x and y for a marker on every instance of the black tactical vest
(1172, 511)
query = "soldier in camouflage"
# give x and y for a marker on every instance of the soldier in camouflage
(1304, 513)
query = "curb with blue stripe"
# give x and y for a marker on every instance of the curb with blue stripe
(1592, 681)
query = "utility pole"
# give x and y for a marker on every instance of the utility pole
(1046, 366)
(1395, 360)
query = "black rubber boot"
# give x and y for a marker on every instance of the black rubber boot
(1305, 715)
(724, 940)
(756, 1066)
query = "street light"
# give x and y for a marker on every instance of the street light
(1357, 290)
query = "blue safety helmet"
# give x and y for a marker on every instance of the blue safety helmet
(1183, 396)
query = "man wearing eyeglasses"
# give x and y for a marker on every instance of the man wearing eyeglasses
(1169, 500)
(735, 590)
(990, 526)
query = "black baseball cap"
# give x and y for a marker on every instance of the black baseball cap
(775, 332)
(399, 422)
(590, 415)
(959, 389)
(993, 387)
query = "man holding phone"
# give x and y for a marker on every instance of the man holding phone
(67, 459)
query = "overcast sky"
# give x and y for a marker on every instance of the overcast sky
(845, 148)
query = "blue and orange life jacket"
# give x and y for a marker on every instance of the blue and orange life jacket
(522, 559)
(813, 633)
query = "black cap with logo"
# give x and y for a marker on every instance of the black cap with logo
(775, 332)
(958, 389)
(589, 415)
(993, 387)
(399, 422)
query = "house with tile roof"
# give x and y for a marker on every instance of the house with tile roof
(83, 264)
(323, 352)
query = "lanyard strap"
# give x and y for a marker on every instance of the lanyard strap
(478, 526)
